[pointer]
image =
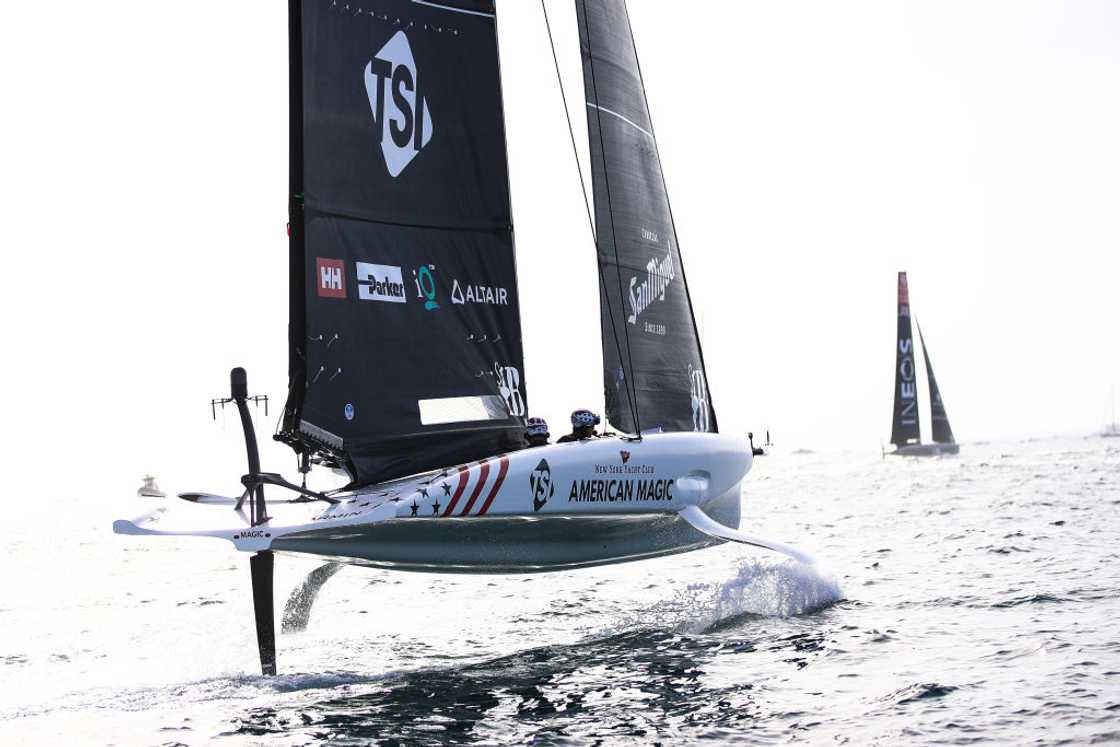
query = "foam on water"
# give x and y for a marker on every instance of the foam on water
(758, 587)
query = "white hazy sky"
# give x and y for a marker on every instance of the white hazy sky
(812, 150)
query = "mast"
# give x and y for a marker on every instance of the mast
(296, 278)
(942, 432)
(654, 374)
(904, 424)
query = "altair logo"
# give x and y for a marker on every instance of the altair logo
(400, 111)
(658, 277)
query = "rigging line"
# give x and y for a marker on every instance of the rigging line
(586, 203)
(630, 382)
(568, 117)
(672, 221)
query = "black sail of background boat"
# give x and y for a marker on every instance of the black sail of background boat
(906, 422)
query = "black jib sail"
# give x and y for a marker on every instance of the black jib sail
(942, 433)
(905, 428)
(653, 366)
(405, 335)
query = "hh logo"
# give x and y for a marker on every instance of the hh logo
(400, 111)
(332, 277)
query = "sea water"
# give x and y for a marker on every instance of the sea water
(957, 600)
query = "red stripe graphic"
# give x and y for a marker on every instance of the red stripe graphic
(463, 476)
(482, 475)
(497, 486)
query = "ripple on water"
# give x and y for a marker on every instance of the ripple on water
(919, 692)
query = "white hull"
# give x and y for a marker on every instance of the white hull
(554, 507)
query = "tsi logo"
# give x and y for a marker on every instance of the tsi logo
(332, 278)
(400, 111)
(380, 283)
(540, 482)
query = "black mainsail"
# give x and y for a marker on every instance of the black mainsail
(405, 333)
(654, 373)
(942, 433)
(905, 428)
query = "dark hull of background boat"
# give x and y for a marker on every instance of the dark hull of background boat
(926, 450)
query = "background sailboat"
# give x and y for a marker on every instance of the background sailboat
(1112, 430)
(906, 421)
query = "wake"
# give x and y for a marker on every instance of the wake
(786, 589)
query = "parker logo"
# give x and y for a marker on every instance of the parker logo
(540, 482)
(658, 277)
(332, 277)
(625, 456)
(380, 283)
(400, 111)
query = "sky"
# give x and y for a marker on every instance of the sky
(811, 149)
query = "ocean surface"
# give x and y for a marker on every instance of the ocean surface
(970, 599)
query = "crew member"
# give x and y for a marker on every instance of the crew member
(537, 432)
(583, 427)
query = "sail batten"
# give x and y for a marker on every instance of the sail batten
(405, 332)
(654, 376)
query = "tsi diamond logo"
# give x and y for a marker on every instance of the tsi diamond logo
(400, 111)
(380, 283)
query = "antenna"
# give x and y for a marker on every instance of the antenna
(256, 399)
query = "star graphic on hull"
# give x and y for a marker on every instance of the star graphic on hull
(446, 488)
(424, 492)
(435, 509)
(415, 508)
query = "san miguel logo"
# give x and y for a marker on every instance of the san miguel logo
(642, 295)
(540, 482)
(331, 277)
(400, 111)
